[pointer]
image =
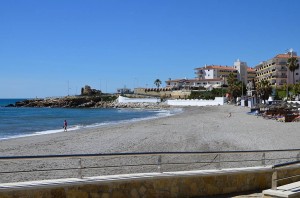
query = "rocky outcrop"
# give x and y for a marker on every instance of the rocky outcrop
(86, 102)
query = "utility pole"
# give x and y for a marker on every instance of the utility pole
(106, 86)
(68, 88)
(100, 86)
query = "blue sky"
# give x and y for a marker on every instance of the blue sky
(47, 45)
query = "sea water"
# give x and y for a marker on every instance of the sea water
(26, 121)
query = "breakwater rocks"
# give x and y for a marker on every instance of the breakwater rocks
(85, 102)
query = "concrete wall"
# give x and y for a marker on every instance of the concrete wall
(177, 102)
(164, 94)
(217, 101)
(122, 99)
(168, 184)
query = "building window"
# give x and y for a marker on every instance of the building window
(297, 74)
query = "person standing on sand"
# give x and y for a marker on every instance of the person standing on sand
(65, 125)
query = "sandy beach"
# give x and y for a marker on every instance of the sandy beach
(213, 128)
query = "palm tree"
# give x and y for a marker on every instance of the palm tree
(264, 90)
(231, 79)
(292, 64)
(157, 82)
(234, 86)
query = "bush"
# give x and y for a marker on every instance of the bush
(206, 95)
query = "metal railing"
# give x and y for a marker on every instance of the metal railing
(84, 165)
(275, 178)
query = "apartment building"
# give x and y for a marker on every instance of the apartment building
(275, 70)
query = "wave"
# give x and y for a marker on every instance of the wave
(159, 114)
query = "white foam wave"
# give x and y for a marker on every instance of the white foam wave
(159, 114)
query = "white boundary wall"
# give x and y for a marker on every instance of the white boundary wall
(122, 99)
(216, 101)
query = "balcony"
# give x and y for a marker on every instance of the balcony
(282, 69)
(281, 63)
(282, 76)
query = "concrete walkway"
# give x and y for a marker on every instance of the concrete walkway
(289, 190)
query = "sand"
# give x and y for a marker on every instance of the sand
(213, 128)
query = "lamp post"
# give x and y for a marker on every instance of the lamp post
(222, 85)
(242, 87)
(287, 91)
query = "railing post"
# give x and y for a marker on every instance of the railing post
(219, 161)
(274, 180)
(159, 164)
(79, 169)
(263, 159)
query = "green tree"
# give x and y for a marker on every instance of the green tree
(264, 90)
(157, 82)
(292, 64)
(234, 86)
(296, 88)
(231, 79)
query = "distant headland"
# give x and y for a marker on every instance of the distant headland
(89, 98)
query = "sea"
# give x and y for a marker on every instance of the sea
(26, 121)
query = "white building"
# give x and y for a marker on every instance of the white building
(214, 76)
(194, 84)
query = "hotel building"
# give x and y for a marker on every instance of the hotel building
(275, 70)
(214, 76)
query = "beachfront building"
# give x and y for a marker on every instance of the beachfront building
(214, 76)
(194, 84)
(239, 69)
(275, 70)
(207, 78)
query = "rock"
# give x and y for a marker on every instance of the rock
(10, 105)
(86, 102)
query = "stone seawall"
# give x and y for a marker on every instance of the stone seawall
(168, 184)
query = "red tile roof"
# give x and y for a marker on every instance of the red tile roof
(216, 67)
(250, 69)
(194, 80)
(285, 56)
(282, 56)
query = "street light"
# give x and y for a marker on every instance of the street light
(222, 85)
(242, 86)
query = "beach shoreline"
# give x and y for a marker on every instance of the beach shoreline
(208, 125)
(200, 129)
(82, 123)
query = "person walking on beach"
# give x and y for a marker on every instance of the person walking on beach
(65, 125)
